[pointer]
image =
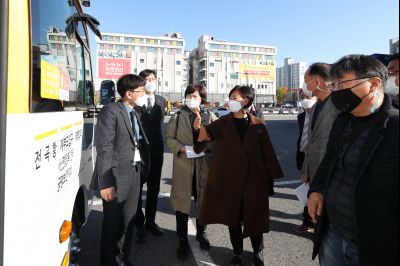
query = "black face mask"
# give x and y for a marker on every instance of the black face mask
(345, 100)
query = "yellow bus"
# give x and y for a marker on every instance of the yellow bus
(46, 129)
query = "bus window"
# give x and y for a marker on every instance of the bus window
(84, 74)
(54, 57)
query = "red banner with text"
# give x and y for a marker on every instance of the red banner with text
(110, 68)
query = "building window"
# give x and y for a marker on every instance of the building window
(211, 64)
(142, 61)
(166, 83)
(178, 63)
(178, 73)
(211, 75)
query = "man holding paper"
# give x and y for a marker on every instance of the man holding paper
(190, 170)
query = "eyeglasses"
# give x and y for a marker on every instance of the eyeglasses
(311, 81)
(393, 73)
(137, 91)
(339, 85)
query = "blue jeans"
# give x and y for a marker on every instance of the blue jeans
(336, 250)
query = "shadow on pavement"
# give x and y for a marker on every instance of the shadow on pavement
(278, 226)
(222, 256)
(156, 251)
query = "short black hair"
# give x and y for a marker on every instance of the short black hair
(320, 69)
(202, 92)
(245, 92)
(147, 72)
(129, 82)
(363, 66)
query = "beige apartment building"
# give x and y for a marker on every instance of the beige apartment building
(119, 54)
(221, 65)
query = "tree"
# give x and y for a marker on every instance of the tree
(281, 95)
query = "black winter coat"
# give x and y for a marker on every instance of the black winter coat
(376, 190)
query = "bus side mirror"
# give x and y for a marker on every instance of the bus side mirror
(107, 92)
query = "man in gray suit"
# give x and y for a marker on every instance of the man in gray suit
(121, 146)
(316, 82)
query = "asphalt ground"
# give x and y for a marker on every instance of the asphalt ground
(282, 245)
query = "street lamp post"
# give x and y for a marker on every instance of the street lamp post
(160, 81)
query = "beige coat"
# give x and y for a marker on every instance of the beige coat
(318, 138)
(183, 168)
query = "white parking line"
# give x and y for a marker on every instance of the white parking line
(202, 257)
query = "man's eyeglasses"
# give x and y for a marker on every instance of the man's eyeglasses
(137, 91)
(339, 85)
(393, 73)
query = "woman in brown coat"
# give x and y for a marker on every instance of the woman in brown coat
(239, 180)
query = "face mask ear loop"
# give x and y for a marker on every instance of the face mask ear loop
(319, 88)
(373, 108)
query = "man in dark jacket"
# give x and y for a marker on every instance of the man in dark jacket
(355, 193)
(153, 117)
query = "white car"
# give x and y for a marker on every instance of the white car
(275, 111)
(221, 111)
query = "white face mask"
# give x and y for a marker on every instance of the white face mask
(234, 106)
(306, 91)
(307, 103)
(151, 86)
(391, 88)
(192, 103)
(141, 101)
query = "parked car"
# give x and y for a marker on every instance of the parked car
(276, 111)
(221, 111)
(267, 111)
(284, 110)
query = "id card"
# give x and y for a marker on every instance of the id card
(137, 156)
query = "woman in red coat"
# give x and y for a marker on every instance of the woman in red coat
(241, 174)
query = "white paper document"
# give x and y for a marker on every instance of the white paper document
(301, 193)
(191, 154)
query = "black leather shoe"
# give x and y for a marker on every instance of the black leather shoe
(236, 260)
(183, 248)
(154, 229)
(140, 235)
(258, 259)
(204, 242)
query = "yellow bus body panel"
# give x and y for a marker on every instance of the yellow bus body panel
(19, 59)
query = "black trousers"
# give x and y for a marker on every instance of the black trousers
(183, 218)
(182, 225)
(236, 236)
(116, 236)
(153, 189)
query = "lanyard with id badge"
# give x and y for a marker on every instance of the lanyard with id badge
(137, 137)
